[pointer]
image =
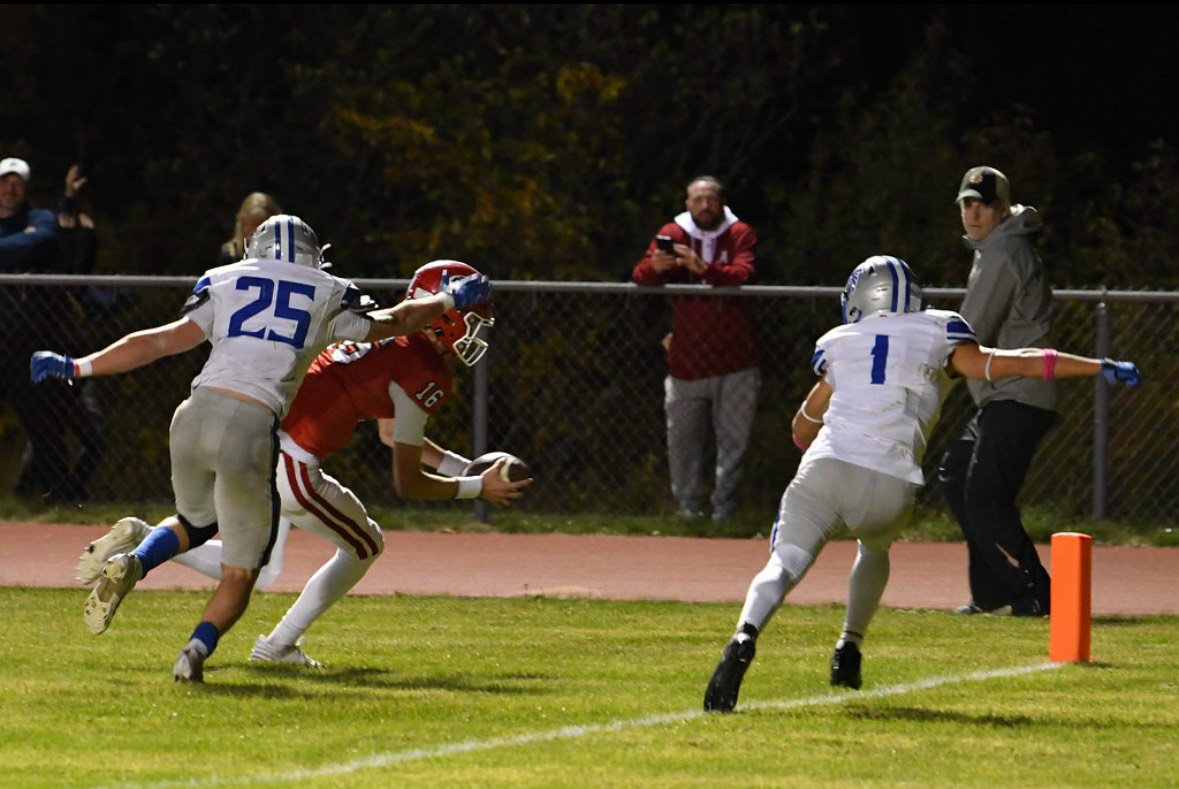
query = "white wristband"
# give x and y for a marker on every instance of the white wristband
(447, 301)
(987, 370)
(808, 417)
(469, 487)
(452, 464)
(83, 368)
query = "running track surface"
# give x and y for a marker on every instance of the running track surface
(1127, 581)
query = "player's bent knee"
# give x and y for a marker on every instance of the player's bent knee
(793, 560)
(238, 580)
(197, 535)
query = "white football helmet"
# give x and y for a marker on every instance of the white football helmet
(288, 238)
(881, 283)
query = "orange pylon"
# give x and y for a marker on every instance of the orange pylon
(1071, 618)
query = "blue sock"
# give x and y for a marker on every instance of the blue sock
(208, 634)
(160, 545)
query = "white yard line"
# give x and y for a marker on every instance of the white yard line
(576, 732)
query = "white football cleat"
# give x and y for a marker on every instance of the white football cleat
(189, 666)
(123, 537)
(266, 652)
(119, 576)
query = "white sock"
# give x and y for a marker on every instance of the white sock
(330, 582)
(206, 559)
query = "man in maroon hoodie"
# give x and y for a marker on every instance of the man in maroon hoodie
(713, 379)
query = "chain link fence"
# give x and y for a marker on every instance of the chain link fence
(573, 383)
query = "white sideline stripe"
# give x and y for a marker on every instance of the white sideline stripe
(576, 732)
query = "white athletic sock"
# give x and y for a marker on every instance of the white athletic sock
(206, 559)
(330, 582)
(869, 576)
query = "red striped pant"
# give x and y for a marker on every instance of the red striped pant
(317, 502)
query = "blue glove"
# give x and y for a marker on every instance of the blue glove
(47, 364)
(467, 291)
(1120, 372)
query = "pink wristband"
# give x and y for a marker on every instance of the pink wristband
(1049, 371)
(799, 444)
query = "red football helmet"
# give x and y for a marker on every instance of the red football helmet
(457, 329)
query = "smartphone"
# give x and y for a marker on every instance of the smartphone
(664, 244)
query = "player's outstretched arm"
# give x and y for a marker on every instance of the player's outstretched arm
(135, 350)
(406, 318)
(978, 362)
(412, 315)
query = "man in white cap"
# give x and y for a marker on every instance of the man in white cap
(28, 236)
(28, 244)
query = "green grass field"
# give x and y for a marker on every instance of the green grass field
(552, 693)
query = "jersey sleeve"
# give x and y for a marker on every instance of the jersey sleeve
(959, 330)
(821, 358)
(409, 426)
(350, 322)
(819, 362)
(356, 300)
(198, 308)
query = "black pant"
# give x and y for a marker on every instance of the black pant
(981, 475)
(49, 411)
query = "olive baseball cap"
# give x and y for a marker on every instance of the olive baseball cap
(985, 184)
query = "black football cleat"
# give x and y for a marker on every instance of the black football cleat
(845, 666)
(1031, 606)
(722, 690)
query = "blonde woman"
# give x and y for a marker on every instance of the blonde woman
(255, 209)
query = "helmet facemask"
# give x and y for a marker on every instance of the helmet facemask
(462, 332)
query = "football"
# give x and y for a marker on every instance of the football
(513, 471)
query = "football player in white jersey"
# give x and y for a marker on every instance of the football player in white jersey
(266, 317)
(863, 428)
(399, 384)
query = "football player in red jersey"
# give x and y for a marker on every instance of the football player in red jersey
(400, 383)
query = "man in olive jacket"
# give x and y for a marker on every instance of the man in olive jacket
(1009, 304)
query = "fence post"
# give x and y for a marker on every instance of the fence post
(1101, 420)
(479, 412)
